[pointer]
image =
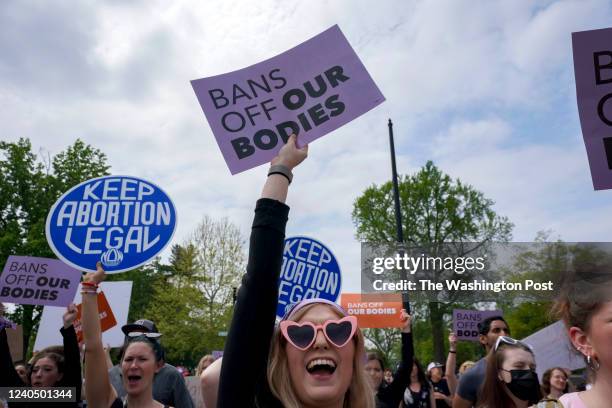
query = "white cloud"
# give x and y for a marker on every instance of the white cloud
(463, 80)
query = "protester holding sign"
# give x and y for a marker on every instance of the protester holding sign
(390, 395)
(141, 360)
(316, 357)
(49, 369)
(585, 305)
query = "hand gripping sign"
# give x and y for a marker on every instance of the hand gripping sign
(309, 90)
(309, 270)
(121, 221)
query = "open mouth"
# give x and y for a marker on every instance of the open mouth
(133, 379)
(321, 366)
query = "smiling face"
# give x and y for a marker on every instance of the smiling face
(45, 373)
(558, 380)
(138, 367)
(322, 373)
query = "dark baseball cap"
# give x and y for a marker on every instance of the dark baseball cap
(143, 325)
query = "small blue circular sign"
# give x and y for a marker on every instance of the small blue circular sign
(121, 221)
(309, 270)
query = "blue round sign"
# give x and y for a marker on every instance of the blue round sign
(121, 221)
(309, 270)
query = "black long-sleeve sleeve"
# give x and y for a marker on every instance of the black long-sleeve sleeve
(245, 358)
(8, 375)
(72, 361)
(392, 394)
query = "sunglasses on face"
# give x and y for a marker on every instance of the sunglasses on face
(145, 334)
(303, 335)
(509, 340)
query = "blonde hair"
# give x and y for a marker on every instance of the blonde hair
(359, 393)
(200, 368)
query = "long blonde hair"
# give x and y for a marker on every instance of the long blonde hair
(359, 393)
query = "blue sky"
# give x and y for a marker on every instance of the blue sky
(483, 88)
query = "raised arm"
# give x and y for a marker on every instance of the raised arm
(394, 393)
(451, 363)
(72, 356)
(8, 375)
(248, 342)
(98, 390)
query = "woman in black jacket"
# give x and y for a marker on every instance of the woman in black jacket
(48, 369)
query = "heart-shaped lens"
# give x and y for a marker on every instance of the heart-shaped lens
(339, 333)
(300, 336)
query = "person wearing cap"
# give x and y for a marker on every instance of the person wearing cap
(168, 383)
(439, 385)
(471, 382)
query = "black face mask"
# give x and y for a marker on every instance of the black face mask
(524, 385)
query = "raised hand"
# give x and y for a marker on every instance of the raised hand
(70, 315)
(95, 277)
(452, 342)
(290, 155)
(406, 320)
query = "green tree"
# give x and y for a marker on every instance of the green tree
(435, 209)
(192, 295)
(28, 188)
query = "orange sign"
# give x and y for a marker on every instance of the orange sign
(107, 318)
(374, 310)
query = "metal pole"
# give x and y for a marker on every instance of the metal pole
(398, 213)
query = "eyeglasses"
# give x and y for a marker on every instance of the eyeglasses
(303, 335)
(149, 335)
(511, 341)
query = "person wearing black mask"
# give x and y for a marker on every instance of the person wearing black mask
(511, 380)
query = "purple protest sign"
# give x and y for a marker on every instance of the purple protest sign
(309, 90)
(465, 322)
(593, 70)
(38, 281)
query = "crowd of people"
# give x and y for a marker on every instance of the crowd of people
(314, 357)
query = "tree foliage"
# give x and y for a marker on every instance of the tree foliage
(191, 297)
(435, 209)
(28, 188)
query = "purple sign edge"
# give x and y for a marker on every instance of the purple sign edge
(65, 297)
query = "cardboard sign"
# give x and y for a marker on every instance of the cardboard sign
(15, 342)
(593, 71)
(118, 296)
(309, 90)
(309, 270)
(107, 318)
(119, 220)
(465, 322)
(551, 348)
(374, 310)
(28, 280)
